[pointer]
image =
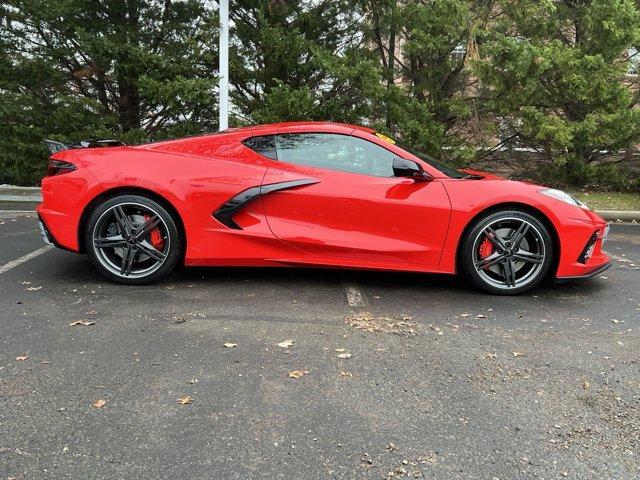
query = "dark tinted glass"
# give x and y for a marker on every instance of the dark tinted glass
(335, 152)
(265, 145)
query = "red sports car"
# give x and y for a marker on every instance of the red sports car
(311, 194)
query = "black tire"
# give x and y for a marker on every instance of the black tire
(120, 230)
(508, 269)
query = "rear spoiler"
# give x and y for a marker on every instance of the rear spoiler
(55, 147)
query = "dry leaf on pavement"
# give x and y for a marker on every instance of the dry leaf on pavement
(84, 323)
(230, 345)
(286, 344)
(518, 354)
(185, 400)
(298, 373)
(99, 403)
(22, 358)
(345, 355)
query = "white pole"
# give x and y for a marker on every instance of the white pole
(224, 65)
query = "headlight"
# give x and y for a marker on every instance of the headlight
(563, 197)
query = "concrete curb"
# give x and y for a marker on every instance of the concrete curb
(32, 195)
(20, 194)
(623, 215)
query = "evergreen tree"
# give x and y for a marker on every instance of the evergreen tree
(130, 69)
(555, 76)
(300, 60)
(424, 48)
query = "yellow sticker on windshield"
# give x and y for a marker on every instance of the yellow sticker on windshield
(385, 138)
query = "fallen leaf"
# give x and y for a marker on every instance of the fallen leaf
(481, 316)
(286, 344)
(185, 400)
(84, 323)
(99, 403)
(339, 349)
(230, 345)
(298, 373)
(22, 358)
(345, 355)
(191, 382)
(490, 355)
(615, 320)
(585, 385)
(464, 315)
(33, 289)
(518, 354)
(346, 374)
(367, 322)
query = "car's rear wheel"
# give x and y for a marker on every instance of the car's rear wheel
(132, 239)
(507, 252)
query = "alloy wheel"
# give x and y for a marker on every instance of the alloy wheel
(509, 253)
(131, 240)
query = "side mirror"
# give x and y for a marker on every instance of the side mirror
(410, 169)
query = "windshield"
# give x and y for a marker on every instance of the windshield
(446, 169)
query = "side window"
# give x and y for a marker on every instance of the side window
(335, 152)
(265, 145)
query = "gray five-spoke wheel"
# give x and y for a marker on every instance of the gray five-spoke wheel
(509, 253)
(131, 240)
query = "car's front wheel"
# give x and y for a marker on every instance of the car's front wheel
(507, 252)
(132, 239)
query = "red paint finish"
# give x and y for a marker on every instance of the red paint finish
(346, 219)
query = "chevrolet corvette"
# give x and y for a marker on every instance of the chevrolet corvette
(309, 194)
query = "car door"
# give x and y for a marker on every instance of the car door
(345, 202)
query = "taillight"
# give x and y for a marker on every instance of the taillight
(57, 167)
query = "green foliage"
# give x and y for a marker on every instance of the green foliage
(554, 73)
(423, 48)
(453, 77)
(300, 61)
(127, 69)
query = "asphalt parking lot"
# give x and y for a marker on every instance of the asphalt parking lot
(400, 375)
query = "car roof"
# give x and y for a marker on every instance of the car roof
(254, 130)
(299, 126)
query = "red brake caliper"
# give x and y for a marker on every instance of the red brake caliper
(485, 249)
(156, 236)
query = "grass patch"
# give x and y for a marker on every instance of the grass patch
(609, 200)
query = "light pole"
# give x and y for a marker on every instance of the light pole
(224, 65)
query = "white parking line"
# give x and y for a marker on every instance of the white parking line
(354, 295)
(19, 261)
